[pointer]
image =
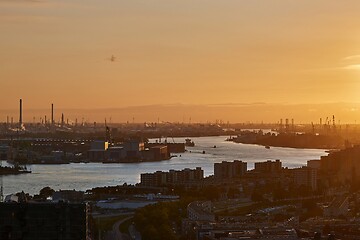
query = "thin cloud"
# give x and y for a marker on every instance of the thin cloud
(352, 67)
(353, 57)
(237, 104)
(348, 63)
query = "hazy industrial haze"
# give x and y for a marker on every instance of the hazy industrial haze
(237, 60)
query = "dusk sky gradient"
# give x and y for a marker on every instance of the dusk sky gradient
(197, 52)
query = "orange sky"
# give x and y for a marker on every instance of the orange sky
(179, 51)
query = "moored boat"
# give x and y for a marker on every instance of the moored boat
(13, 170)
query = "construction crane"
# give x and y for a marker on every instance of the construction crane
(313, 128)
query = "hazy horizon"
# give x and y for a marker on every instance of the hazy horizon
(348, 113)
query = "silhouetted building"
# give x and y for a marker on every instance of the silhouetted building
(268, 166)
(158, 178)
(342, 166)
(173, 177)
(305, 176)
(43, 221)
(313, 164)
(229, 170)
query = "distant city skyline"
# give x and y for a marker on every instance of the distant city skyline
(118, 54)
(344, 113)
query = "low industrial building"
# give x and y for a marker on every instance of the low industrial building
(133, 148)
(4, 152)
(129, 151)
(116, 154)
(156, 153)
(98, 151)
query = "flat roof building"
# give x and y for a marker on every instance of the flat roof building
(229, 170)
(268, 166)
(173, 177)
(43, 221)
(305, 176)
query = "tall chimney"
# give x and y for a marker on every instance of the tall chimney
(20, 118)
(52, 114)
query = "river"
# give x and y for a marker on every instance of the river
(81, 176)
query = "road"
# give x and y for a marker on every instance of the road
(115, 233)
(134, 233)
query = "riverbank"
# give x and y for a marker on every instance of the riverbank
(293, 140)
(83, 176)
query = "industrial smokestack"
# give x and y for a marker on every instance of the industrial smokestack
(20, 118)
(52, 114)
